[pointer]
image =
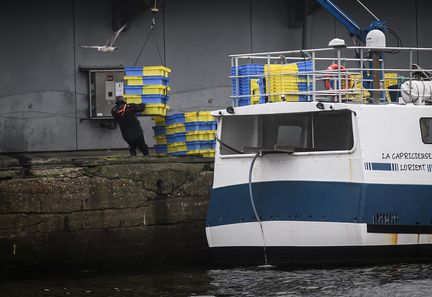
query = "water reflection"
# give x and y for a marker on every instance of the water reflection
(393, 280)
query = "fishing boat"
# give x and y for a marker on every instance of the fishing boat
(324, 159)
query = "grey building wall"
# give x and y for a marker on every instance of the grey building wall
(45, 98)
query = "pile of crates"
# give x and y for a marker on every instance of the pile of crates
(250, 78)
(391, 80)
(285, 80)
(280, 80)
(148, 85)
(189, 133)
(159, 131)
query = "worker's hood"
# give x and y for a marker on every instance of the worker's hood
(120, 102)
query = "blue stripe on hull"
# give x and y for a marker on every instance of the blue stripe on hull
(323, 201)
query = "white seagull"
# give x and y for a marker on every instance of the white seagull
(108, 47)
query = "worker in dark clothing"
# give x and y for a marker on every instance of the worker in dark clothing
(130, 127)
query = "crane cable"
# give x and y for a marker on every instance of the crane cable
(154, 10)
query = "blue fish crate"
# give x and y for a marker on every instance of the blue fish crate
(154, 99)
(161, 149)
(248, 69)
(243, 101)
(200, 145)
(181, 153)
(159, 130)
(156, 80)
(193, 145)
(209, 144)
(132, 90)
(178, 118)
(252, 70)
(200, 126)
(305, 98)
(177, 137)
(304, 86)
(135, 90)
(304, 66)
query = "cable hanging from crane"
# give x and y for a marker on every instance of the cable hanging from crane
(154, 10)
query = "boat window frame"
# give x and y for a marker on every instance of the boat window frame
(429, 127)
(354, 127)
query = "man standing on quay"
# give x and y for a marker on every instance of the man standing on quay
(130, 127)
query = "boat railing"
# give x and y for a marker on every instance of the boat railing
(353, 74)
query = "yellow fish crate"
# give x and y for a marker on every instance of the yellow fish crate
(203, 153)
(390, 79)
(156, 71)
(194, 152)
(177, 147)
(136, 99)
(201, 135)
(147, 90)
(175, 128)
(155, 109)
(161, 139)
(208, 153)
(159, 120)
(282, 79)
(254, 91)
(153, 71)
(356, 86)
(198, 116)
(133, 80)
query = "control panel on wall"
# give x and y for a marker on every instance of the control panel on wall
(105, 87)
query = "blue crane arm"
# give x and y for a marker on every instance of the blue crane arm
(344, 18)
(353, 28)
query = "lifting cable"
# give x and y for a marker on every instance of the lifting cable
(154, 10)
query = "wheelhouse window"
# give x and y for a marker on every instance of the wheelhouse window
(298, 132)
(426, 130)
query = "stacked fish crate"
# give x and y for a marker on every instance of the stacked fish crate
(148, 85)
(285, 81)
(250, 78)
(282, 81)
(189, 133)
(159, 137)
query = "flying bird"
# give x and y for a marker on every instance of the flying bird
(108, 47)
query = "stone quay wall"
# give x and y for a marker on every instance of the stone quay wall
(104, 212)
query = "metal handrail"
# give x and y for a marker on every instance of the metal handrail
(340, 78)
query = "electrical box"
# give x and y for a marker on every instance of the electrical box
(104, 86)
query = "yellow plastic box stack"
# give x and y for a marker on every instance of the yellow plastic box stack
(148, 85)
(390, 79)
(285, 79)
(206, 133)
(191, 133)
(159, 130)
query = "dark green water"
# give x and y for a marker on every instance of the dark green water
(392, 280)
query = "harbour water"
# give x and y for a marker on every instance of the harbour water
(390, 280)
